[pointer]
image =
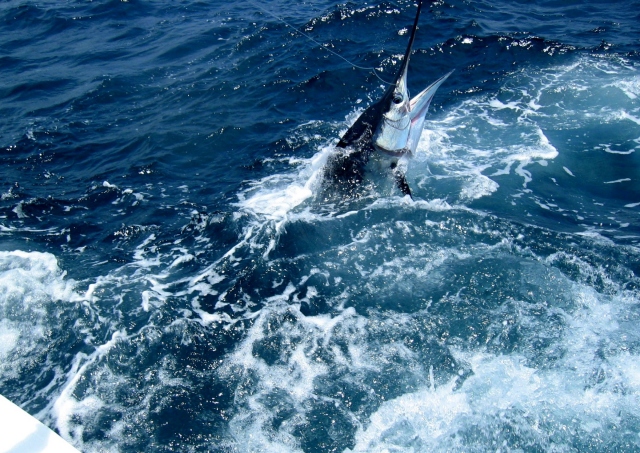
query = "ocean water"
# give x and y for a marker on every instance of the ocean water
(172, 278)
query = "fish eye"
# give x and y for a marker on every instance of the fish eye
(397, 98)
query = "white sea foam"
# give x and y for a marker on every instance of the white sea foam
(505, 394)
(271, 200)
(66, 407)
(293, 376)
(501, 388)
(287, 364)
(480, 186)
(32, 280)
(33, 291)
(630, 87)
(617, 181)
(9, 336)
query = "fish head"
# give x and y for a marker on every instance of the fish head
(393, 130)
(401, 119)
(400, 126)
(393, 125)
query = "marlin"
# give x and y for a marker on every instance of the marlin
(388, 130)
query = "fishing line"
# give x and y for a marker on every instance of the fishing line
(319, 44)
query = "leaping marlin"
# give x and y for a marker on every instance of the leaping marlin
(390, 128)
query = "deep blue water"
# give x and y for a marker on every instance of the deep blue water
(173, 279)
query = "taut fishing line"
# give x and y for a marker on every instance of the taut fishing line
(319, 44)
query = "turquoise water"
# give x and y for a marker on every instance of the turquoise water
(172, 277)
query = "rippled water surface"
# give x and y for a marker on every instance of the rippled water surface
(174, 277)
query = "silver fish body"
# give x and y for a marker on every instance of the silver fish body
(391, 127)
